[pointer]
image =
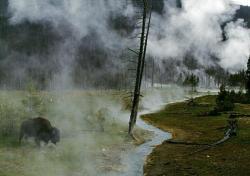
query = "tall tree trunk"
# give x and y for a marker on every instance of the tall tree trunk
(145, 47)
(140, 68)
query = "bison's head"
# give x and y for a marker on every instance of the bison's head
(55, 135)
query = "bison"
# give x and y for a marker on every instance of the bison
(40, 129)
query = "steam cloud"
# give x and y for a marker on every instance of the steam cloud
(197, 29)
(73, 21)
(78, 16)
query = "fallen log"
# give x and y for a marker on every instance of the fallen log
(237, 115)
(232, 131)
(183, 143)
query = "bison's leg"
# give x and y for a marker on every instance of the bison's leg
(37, 140)
(21, 135)
(45, 137)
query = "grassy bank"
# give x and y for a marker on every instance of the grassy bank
(190, 124)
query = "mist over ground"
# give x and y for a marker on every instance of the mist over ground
(93, 127)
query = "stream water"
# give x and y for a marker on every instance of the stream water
(136, 158)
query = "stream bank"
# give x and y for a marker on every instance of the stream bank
(229, 158)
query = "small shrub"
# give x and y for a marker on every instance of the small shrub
(35, 103)
(127, 103)
(223, 101)
(214, 112)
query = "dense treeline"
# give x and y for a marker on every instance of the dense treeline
(227, 98)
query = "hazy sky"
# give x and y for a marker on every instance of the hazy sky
(243, 2)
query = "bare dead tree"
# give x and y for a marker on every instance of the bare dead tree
(145, 46)
(140, 67)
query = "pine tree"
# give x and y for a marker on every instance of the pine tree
(192, 81)
(223, 100)
(248, 77)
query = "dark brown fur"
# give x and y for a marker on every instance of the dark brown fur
(41, 129)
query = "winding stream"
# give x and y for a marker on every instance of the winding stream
(137, 157)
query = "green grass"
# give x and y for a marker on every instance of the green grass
(188, 123)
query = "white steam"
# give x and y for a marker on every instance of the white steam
(235, 52)
(242, 2)
(73, 20)
(81, 16)
(197, 29)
